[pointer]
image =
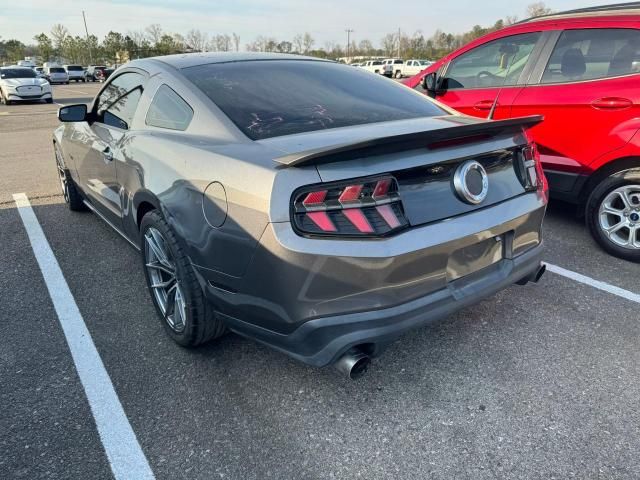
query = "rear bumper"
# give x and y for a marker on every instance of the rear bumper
(322, 341)
(315, 298)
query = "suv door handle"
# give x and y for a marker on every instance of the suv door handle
(484, 105)
(611, 103)
(107, 154)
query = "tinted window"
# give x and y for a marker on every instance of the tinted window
(169, 110)
(496, 63)
(56, 70)
(594, 53)
(272, 98)
(17, 73)
(118, 101)
(74, 68)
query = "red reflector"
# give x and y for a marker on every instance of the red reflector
(382, 187)
(315, 198)
(350, 193)
(389, 216)
(322, 220)
(358, 219)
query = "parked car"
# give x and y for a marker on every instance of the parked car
(222, 184)
(373, 66)
(581, 71)
(22, 84)
(40, 72)
(412, 67)
(90, 72)
(75, 73)
(392, 67)
(102, 74)
(56, 75)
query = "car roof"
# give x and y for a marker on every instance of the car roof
(187, 60)
(15, 67)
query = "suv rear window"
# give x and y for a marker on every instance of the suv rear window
(74, 68)
(56, 70)
(270, 98)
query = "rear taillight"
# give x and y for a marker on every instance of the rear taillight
(532, 174)
(362, 208)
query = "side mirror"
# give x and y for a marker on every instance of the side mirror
(73, 113)
(430, 83)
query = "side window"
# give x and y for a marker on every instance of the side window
(117, 103)
(496, 63)
(593, 53)
(169, 110)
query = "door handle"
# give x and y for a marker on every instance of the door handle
(611, 103)
(484, 105)
(107, 154)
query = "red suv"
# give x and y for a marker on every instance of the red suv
(581, 70)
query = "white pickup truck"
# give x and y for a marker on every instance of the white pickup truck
(393, 67)
(374, 66)
(413, 67)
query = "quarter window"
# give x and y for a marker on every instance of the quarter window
(169, 110)
(593, 53)
(118, 101)
(496, 63)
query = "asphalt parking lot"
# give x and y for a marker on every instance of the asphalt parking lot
(537, 382)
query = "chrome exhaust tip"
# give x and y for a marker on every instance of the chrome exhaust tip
(353, 364)
(534, 276)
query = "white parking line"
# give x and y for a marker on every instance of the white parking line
(125, 455)
(621, 292)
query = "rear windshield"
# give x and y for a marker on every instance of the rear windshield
(56, 70)
(17, 73)
(74, 68)
(283, 97)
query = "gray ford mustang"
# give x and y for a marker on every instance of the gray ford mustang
(314, 207)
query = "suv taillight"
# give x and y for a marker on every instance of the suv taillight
(362, 208)
(533, 175)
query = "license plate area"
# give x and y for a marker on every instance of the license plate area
(473, 258)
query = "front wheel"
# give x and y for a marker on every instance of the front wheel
(69, 190)
(613, 214)
(187, 317)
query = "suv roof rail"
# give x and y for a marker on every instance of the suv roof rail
(600, 8)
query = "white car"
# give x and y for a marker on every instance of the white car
(75, 72)
(22, 84)
(56, 75)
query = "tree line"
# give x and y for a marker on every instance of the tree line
(116, 47)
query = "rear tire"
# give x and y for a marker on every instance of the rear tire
(398, 74)
(613, 214)
(186, 315)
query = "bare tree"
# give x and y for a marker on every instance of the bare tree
(59, 34)
(510, 19)
(154, 32)
(365, 47)
(298, 43)
(538, 9)
(389, 44)
(236, 41)
(197, 40)
(222, 43)
(307, 42)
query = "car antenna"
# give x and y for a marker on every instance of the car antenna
(495, 101)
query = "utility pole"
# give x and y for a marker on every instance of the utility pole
(88, 42)
(349, 32)
(398, 42)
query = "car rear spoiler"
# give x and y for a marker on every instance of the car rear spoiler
(409, 141)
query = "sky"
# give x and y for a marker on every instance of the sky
(325, 20)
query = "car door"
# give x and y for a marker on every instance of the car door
(113, 112)
(471, 81)
(587, 87)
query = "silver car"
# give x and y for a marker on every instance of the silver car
(308, 205)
